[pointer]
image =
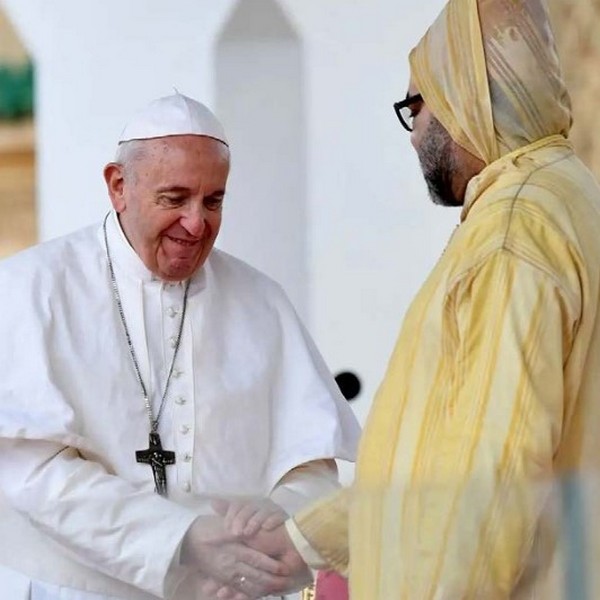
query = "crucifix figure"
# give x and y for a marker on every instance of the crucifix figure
(157, 458)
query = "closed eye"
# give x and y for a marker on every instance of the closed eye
(213, 202)
(171, 201)
(415, 109)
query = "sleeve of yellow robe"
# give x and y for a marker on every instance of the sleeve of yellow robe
(483, 464)
(483, 468)
(325, 526)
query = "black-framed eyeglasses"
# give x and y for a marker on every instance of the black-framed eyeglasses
(404, 111)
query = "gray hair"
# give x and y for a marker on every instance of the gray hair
(129, 152)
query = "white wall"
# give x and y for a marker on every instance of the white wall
(371, 236)
(260, 97)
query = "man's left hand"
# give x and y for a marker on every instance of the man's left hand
(278, 545)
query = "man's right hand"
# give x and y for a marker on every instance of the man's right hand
(217, 555)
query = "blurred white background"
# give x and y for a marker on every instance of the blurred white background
(325, 195)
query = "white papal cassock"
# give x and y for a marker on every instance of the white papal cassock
(250, 400)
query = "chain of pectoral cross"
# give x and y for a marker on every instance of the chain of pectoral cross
(154, 455)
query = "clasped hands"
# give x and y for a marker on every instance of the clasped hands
(244, 553)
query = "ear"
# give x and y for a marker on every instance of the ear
(115, 183)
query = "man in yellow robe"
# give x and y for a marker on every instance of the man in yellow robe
(479, 469)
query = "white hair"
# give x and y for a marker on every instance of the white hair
(127, 152)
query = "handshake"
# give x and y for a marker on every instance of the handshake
(245, 552)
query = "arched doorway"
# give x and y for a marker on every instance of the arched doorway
(260, 98)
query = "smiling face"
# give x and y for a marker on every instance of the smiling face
(169, 195)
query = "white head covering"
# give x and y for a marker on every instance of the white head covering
(173, 115)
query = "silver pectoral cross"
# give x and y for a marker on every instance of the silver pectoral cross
(158, 459)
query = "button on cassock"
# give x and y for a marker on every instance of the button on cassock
(180, 400)
(187, 487)
(172, 312)
(184, 429)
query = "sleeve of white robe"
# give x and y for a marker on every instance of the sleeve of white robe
(299, 488)
(135, 534)
(305, 484)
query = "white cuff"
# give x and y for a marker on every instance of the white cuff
(309, 555)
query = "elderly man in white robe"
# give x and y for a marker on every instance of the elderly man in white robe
(143, 375)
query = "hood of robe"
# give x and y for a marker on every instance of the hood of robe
(489, 72)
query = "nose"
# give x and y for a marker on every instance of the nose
(193, 219)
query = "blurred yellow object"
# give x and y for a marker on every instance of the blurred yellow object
(308, 593)
(18, 228)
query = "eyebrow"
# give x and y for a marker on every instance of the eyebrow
(180, 189)
(172, 188)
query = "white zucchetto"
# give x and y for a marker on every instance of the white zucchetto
(173, 115)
